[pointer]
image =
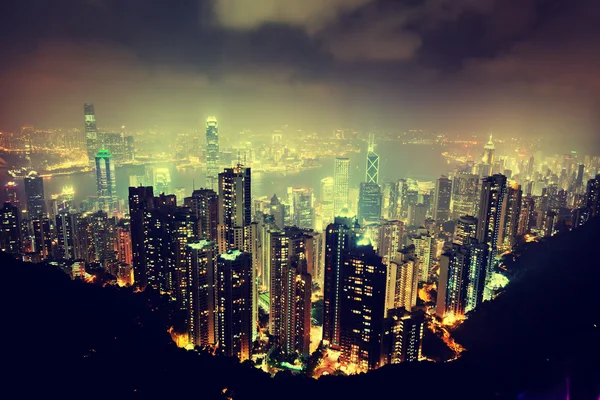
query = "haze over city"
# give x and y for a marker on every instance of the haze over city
(236, 199)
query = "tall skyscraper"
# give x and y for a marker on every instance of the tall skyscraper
(205, 206)
(592, 195)
(201, 307)
(277, 210)
(340, 237)
(327, 199)
(362, 307)
(465, 230)
(441, 199)
(493, 192)
(403, 336)
(402, 280)
(34, 190)
(279, 258)
(464, 194)
(212, 153)
(11, 191)
(42, 237)
(66, 231)
(511, 213)
(489, 153)
(296, 306)
(372, 171)
(369, 203)
(462, 279)
(391, 237)
(425, 251)
(141, 201)
(234, 304)
(341, 188)
(10, 230)
(303, 208)
(106, 181)
(235, 209)
(91, 133)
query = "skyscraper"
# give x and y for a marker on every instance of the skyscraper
(279, 258)
(201, 263)
(296, 306)
(340, 185)
(10, 230)
(235, 209)
(212, 153)
(106, 181)
(488, 153)
(402, 280)
(493, 192)
(465, 230)
(369, 203)
(34, 190)
(462, 279)
(234, 304)
(11, 192)
(592, 195)
(441, 199)
(511, 213)
(340, 238)
(66, 231)
(372, 171)
(204, 204)
(464, 194)
(391, 237)
(362, 307)
(141, 201)
(303, 208)
(425, 251)
(91, 133)
(327, 200)
(403, 336)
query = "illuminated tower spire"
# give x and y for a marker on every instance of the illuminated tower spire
(372, 162)
(212, 153)
(488, 152)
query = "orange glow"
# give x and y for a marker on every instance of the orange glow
(180, 339)
(90, 278)
(442, 330)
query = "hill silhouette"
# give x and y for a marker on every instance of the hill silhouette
(69, 339)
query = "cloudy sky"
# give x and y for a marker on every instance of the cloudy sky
(521, 67)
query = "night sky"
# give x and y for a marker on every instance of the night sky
(514, 67)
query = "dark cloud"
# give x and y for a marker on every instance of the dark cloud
(462, 65)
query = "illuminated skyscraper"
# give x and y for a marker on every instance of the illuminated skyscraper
(488, 153)
(511, 213)
(10, 230)
(441, 199)
(34, 190)
(340, 237)
(235, 209)
(369, 203)
(403, 336)
(391, 237)
(402, 280)
(372, 174)
(212, 153)
(362, 307)
(296, 305)
(464, 194)
(204, 204)
(462, 279)
(42, 237)
(141, 201)
(326, 200)
(66, 230)
(11, 190)
(106, 181)
(425, 250)
(234, 304)
(201, 263)
(277, 210)
(493, 192)
(162, 181)
(279, 258)
(465, 230)
(91, 133)
(340, 185)
(303, 208)
(592, 196)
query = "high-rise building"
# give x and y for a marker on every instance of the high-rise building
(124, 248)
(362, 307)
(511, 213)
(369, 203)
(34, 190)
(425, 251)
(11, 192)
(527, 217)
(141, 202)
(417, 214)
(462, 279)
(106, 181)
(162, 180)
(10, 230)
(464, 194)
(66, 231)
(465, 230)
(340, 237)
(488, 153)
(234, 208)
(201, 307)
(441, 199)
(42, 237)
(391, 237)
(341, 178)
(279, 258)
(296, 306)
(205, 206)
(212, 153)
(91, 133)
(592, 195)
(234, 304)
(277, 210)
(327, 200)
(303, 208)
(493, 192)
(402, 280)
(372, 171)
(403, 336)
